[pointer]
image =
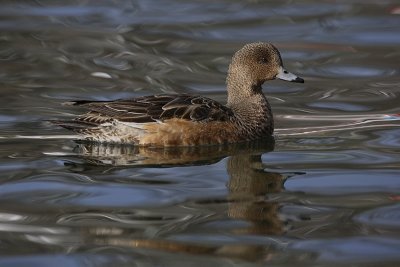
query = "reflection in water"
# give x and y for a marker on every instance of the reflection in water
(126, 155)
(248, 184)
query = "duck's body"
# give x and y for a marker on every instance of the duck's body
(186, 120)
(168, 120)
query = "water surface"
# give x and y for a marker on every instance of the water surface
(325, 193)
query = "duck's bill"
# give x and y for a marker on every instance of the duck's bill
(287, 76)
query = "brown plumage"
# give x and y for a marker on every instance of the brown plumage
(184, 120)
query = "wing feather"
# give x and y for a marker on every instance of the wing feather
(161, 107)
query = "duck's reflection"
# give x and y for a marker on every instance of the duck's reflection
(248, 186)
(246, 208)
(124, 155)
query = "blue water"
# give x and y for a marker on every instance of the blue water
(325, 192)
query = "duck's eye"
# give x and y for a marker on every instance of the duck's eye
(263, 60)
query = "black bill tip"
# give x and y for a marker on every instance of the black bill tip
(298, 80)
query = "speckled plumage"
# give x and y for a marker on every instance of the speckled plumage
(185, 120)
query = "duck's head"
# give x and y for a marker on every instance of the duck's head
(256, 63)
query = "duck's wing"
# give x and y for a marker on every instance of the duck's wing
(150, 109)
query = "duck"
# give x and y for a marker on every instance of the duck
(165, 120)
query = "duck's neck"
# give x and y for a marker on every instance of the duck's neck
(250, 107)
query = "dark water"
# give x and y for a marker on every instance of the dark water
(326, 193)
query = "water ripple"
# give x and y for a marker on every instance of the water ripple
(348, 123)
(58, 193)
(329, 158)
(137, 219)
(346, 72)
(371, 249)
(386, 217)
(342, 182)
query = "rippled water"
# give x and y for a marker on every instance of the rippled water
(325, 193)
